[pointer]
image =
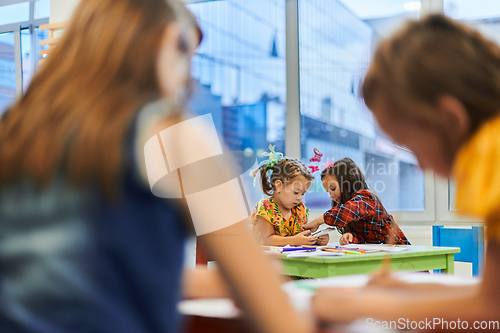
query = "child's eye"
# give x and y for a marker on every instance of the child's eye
(296, 192)
(183, 45)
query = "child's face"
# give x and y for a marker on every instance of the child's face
(174, 62)
(331, 185)
(291, 194)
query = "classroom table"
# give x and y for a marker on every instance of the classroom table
(222, 316)
(416, 258)
(200, 324)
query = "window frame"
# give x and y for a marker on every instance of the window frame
(16, 28)
(436, 190)
(434, 197)
(444, 214)
(293, 125)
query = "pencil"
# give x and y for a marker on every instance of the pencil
(351, 252)
(331, 249)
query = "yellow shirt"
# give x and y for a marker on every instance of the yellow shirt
(477, 174)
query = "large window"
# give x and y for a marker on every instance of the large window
(7, 70)
(336, 39)
(242, 77)
(19, 46)
(15, 13)
(239, 74)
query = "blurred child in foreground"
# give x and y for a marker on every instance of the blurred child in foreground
(434, 87)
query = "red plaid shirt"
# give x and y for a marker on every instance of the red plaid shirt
(374, 222)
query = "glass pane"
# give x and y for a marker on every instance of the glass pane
(27, 54)
(15, 13)
(26, 57)
(41, 35)
(7, 71)
(240, 74)
(482, 15)
(475, 10)
(336, 39)
(42, 9)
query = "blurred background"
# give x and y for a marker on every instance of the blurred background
(262, 57)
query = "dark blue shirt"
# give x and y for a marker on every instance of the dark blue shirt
(72, 261)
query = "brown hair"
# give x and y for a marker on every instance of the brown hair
(285, 170)
(78, 107)
(430, 58)
(351, 180)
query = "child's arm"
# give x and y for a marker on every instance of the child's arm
(339, 216)
(355, 209)
(269, 237)
(418, 302)
(253, 281)
(381, 304)
(350, 238)
(346, 239)
(250, 277)
(323, 240)
(204, 283)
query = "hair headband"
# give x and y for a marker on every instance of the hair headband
(273, 159)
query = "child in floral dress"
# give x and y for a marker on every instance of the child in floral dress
(277, 220)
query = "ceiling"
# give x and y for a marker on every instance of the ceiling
(458, 9)
(379, 9)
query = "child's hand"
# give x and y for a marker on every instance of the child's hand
(323, 240)
(303, 239)
(314, 224)
(346, 239)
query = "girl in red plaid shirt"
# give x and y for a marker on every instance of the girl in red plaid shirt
(357, 211)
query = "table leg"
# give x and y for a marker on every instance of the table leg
(450, 264)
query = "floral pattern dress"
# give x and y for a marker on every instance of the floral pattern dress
(269, 210)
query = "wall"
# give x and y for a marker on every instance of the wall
(61, 10)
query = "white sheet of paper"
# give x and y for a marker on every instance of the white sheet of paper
(323, 232)
(300, 254)
(376, 247)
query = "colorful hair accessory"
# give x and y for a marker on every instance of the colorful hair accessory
(313, 168)
(328, 164)
(317, 156)
(273, 159)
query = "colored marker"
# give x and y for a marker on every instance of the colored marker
(351, 252)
